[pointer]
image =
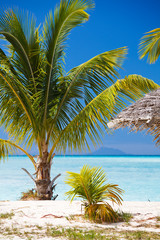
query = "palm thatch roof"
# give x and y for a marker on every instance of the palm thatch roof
(141, 115)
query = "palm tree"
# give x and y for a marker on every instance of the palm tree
(90, 185)
(43, 105)
(150, 45)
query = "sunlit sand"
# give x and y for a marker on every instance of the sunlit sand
(61, 213)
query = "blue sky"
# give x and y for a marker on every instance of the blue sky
(112, 24)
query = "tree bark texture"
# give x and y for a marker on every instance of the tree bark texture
(44, 185)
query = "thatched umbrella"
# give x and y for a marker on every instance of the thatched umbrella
(141, 115)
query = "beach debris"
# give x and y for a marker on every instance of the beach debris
(52, 215)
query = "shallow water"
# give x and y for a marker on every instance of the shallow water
(139, 176)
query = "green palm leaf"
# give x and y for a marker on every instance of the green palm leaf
(90, 185)
(8, 147)
(66, 17)
(16, 107)
(6, 61)
(95, 75)
(93, 118)
(13, 28)
(150, 45)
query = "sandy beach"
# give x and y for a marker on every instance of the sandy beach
(26, 216)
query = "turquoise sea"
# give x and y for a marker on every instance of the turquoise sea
(139, 176)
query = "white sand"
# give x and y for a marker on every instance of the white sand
(28, 214)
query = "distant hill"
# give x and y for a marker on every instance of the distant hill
(108, 151)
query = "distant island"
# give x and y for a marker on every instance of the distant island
(102, 151)
(107, 151)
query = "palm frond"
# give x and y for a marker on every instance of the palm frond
(16, 107)
(90, 185)
(8, 147)
(56, 30)
(85, 82)
(150, 45)
(22, 36)
(92, 120)
(4, 60)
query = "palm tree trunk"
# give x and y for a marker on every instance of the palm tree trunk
(44, 185)
(43, 178)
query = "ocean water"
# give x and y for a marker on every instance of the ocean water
(139, 176)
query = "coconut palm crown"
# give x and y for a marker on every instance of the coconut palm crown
(40, 103)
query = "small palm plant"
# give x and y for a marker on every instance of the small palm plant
(90, 185)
